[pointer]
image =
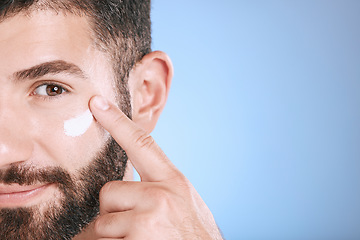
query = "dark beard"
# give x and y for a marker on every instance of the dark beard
(79, 203)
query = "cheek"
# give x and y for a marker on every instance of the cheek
(77, 126)
(71, 141)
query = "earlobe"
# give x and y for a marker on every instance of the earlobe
(149, 85)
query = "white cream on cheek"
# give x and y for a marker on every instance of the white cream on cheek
(77, 126)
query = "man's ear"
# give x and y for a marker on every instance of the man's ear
(149, 85)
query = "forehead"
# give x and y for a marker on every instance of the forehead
(27, 40)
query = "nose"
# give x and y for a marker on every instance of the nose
(15, 142)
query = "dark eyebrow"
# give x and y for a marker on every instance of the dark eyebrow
(53, 67)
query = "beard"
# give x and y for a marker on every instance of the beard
(78, 205)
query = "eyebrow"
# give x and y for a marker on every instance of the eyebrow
(47, 68)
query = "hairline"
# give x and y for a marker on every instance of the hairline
(122, 49)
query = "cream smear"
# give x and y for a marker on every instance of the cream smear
(77, 126)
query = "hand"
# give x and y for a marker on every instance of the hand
(164, 205)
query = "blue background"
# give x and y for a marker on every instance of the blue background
(264, 111)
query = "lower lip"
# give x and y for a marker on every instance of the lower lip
(23, 199)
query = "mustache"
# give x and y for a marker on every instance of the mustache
(28, 175)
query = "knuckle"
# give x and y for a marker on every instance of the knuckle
(179, 177)
(112, 187)
(104, 191)
(160, 195)
(104, 223)
(98, 226)
(143, 139)
(145, 220)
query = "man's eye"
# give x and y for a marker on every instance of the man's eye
(51, 90)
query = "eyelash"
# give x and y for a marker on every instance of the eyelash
(63, 89)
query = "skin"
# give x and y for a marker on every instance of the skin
(164, 205)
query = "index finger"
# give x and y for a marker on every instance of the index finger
(146, 156)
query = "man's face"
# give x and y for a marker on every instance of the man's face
(49, 69)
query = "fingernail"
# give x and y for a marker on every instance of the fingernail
(101, 103)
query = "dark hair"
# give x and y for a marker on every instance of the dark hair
(121, 28)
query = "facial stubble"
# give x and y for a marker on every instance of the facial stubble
(77, 206)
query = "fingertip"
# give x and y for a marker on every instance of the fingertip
(100, 103)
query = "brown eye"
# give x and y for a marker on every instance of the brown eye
(50, 90)
(53, 90)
